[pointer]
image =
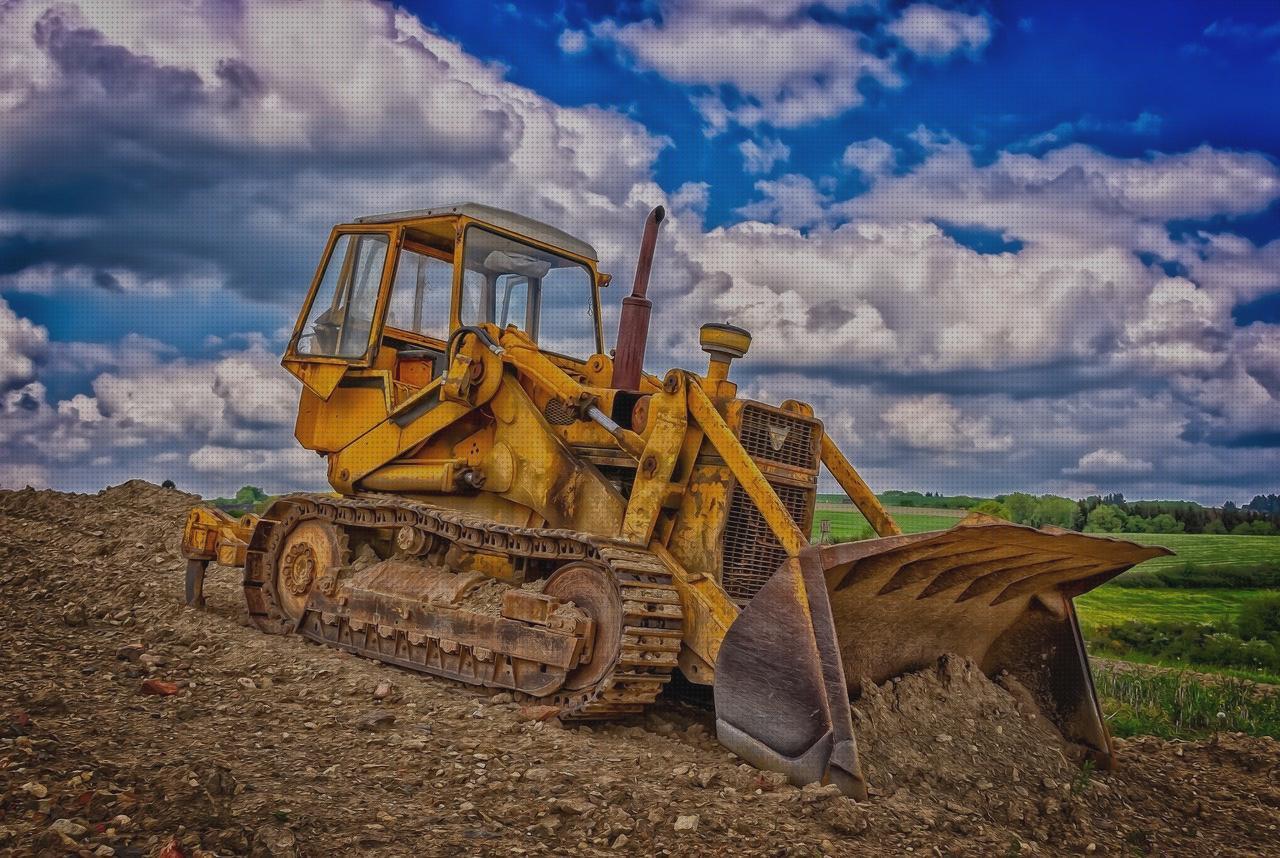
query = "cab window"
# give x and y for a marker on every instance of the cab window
(340, 318)
(548, 296)
(420, 295)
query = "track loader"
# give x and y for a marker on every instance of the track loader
(516, 508)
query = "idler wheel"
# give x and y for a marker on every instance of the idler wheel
(593, 591)
(311, 548)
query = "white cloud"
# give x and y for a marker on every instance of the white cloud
(935, 33)
(792, 200)
(933, 423)
(1145, 124)
(785, 65)
(872, 157)
(21, 343)
(921, 353)
(572, 41)
(1104, 463)
(787, 68)
(18, 476)
(760, 158)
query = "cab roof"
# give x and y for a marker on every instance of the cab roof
(510, 221)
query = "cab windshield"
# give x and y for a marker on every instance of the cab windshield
(548, 296)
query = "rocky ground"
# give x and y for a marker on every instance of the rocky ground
(133, 726)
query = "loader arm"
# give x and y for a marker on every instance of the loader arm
(781, 699)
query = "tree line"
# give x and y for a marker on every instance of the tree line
(1113, 514)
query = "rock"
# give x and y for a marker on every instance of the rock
(815, 793)
(533, 712)
(375, 721)
(619, 842)
(158, 687)
(501, 698)
(687, 823)
(104, 851)
(150, 660)
(536, 774)
(49, 702)
(383, 691)
(67, 828)
(246, 683)
(75, 615)
(576, 806)
(272, 841)
(36, 790)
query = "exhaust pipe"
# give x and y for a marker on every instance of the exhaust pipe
(633, 324)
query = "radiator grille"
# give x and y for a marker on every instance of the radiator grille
(751, 552)
(777, 437)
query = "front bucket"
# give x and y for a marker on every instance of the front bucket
(839, 616)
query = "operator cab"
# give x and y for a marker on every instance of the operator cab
(392, 289)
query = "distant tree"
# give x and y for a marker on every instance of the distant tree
(1056, 511)
(1137, 524)
(1254, 528)
(1215, 526)
(1105, 519)
(994, 507)
(250, 495)
(1264, 503)
(1165, 523)
(168, 484)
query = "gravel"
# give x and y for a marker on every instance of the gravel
(274, 746)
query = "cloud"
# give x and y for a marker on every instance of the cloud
(782, 64)
(934, 423)
(872, 157)
(760, 158)
(1146, 124)
(572, 41)
(180, 142)
(1229, 28)
(939, 364)
(935, 33)
(1108, 463)
(793, 200)
(21, 343)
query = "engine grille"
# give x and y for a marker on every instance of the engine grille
(778, 437)
(751, 552)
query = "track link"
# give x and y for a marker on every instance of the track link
(652, 627)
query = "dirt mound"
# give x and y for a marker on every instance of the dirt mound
(131, 722)
(950, 730)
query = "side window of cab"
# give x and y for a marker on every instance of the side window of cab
(339, 322)
(420, 294)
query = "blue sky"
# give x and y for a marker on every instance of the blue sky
(1000, 246)
(1096, 66)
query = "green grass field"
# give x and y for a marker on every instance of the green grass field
(1110, 606)
(847, 522)
(1208, 551)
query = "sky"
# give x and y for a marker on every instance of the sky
(999, 246)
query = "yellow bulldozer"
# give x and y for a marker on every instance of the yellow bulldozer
(515, 507)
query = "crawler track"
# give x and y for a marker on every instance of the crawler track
(652, 617)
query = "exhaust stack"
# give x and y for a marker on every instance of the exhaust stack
(633, 324)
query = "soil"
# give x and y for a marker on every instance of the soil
(135, 726)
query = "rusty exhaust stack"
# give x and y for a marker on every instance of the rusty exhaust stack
(633, 325)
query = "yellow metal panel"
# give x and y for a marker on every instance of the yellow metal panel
(546, 475)
(668, 422)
